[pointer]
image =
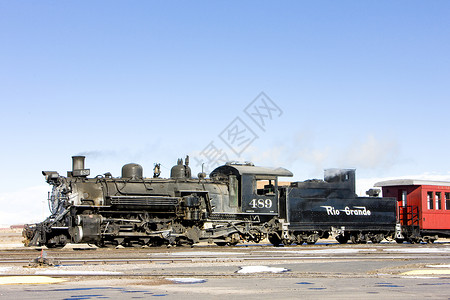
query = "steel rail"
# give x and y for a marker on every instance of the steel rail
(86, 261)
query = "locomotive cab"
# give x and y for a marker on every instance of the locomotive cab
(253, 189)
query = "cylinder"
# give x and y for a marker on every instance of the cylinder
(77, 162)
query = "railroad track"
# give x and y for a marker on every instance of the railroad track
(216, 255)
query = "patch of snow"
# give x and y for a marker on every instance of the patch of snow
(323, 251)
(3, 246)
(74, 272)
(419, 277)
(187, 280)
(260, 269)
(199, 253)
(438, 266)
(4, 269)
(419, 250)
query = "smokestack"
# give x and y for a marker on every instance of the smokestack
(78, 162)
(78, 169)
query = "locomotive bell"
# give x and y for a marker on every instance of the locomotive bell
(133, 171)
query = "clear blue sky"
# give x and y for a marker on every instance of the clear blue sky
(359, 84)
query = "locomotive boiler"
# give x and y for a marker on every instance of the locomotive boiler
(238, 202)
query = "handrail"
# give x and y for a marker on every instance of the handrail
(409, 215)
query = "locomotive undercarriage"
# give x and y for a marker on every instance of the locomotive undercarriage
(296, 237)
(281, 234)
(109, 228)
(363, 237)
(412, 234)
(310, 237)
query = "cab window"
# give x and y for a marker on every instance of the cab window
(265, 187)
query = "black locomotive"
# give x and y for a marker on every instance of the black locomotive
(238, 202)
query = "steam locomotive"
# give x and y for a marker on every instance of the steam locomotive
(238, 202)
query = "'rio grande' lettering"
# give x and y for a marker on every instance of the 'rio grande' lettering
(331, 210)
(356, 211)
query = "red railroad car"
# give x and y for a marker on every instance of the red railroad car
(423, 207)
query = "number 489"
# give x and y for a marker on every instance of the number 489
(261, 203)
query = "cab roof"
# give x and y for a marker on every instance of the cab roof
(250, 169)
